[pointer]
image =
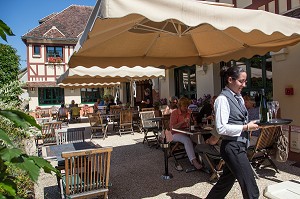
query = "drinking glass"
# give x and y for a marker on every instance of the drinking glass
(270, 109)
(276, 107)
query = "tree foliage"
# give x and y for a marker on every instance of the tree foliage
(9, 64)
(5, 30)
(12, 158)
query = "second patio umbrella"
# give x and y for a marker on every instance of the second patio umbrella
(82, 76)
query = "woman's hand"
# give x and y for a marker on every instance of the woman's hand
(252, 126)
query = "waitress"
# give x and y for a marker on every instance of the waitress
(232, 124)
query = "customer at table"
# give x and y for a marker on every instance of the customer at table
(147, 99)
(70, 108)
(172, 105)
(97, 103)
(232, 124)
(253, 114)
(208, 110)
(62, 112)
(180, 118)
(110, 103)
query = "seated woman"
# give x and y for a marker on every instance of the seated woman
(172, 106)
(62, 113)
(180, 118)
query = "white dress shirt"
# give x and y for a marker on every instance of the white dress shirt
(222, 111)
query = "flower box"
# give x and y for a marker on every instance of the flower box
(54, 60)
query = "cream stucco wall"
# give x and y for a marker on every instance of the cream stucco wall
(167, 84)
(286, 71)
(208, 82)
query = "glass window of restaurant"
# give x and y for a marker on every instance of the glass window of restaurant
(50, 96)
(259, 75)
(185, 84)
(90, 95)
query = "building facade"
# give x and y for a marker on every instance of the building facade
(49, 47)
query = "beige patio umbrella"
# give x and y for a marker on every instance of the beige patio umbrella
(83, 77)
(178, 32)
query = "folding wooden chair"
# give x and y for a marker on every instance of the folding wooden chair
(176, 149)
(96, 122)
(149, 126)
(147, 109)
(115, 110)
(126, 122)
(264, 147)
(216, 169)
(86, 173)
(48, 132)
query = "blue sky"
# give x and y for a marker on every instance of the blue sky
(23, 15)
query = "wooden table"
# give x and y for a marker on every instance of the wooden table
(54, 151)
(198, 132)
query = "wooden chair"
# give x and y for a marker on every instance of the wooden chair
(48, 132)
(71, 135)
(45, 112)
(115, 110)
(264, 147)
(96, 122)
(147, 109)
(216, 169)
(102, 109)
(86, 173)
(149, 126)
(126, 122)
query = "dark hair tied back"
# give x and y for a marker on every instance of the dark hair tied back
(233, 72)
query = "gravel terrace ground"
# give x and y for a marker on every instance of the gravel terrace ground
(136, 171)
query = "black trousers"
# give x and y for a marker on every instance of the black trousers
(237, 166)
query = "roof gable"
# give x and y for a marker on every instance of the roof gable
(68, 24)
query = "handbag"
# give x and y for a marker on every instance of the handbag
(166, 135)
(282, 149)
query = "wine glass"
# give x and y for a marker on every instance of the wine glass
(270, 109)
(276, 107)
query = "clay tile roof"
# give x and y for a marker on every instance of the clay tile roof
(47, 17)
(69, 23)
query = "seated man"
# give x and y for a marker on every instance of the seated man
(211, 146)
(75, 112)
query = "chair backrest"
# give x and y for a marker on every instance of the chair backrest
(45, 112)
(102, 109)
(144, 115)
(48, 132)
(72, 135)
(267, 138)
(115, 110)
(126, 117)
(95, 119)
(86, 172)
(147, 109)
